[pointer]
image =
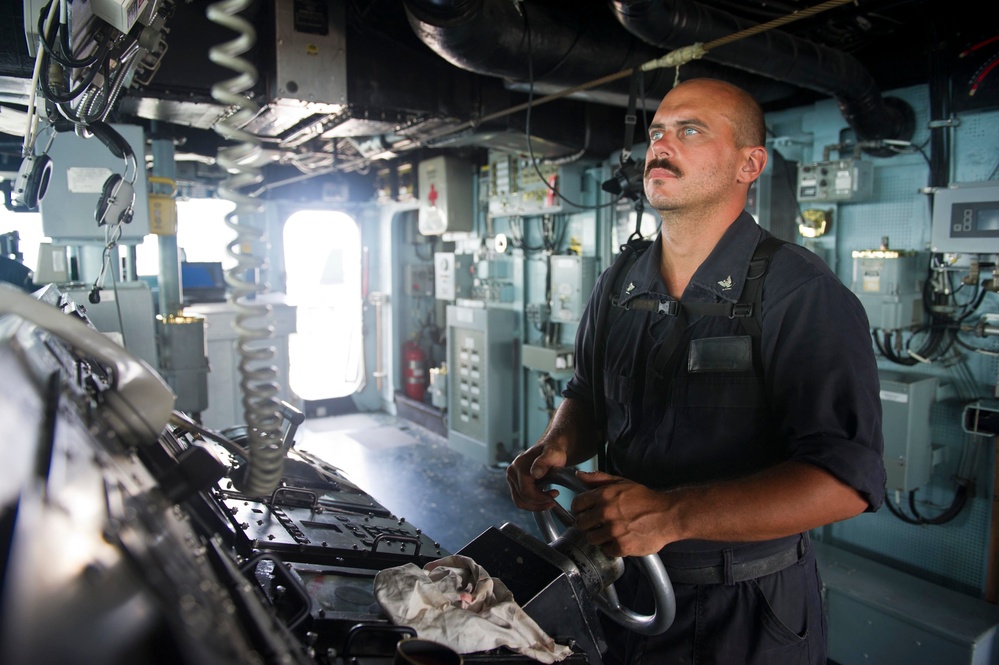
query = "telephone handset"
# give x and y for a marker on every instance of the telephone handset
(140, 402)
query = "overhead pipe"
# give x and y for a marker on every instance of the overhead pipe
(491, 38)
(671, 24)
(554, 47)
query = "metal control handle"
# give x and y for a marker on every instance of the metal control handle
(607, 601)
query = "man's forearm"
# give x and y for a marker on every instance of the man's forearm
(629, 519)
(787, 499)
(574, 424)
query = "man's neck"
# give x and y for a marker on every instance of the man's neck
(686, 243)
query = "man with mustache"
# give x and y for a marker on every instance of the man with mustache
(723, 458)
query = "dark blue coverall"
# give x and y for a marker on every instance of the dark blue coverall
(810, 394)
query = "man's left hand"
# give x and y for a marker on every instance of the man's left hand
(620, 516)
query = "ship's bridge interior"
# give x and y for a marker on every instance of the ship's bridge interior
(288, 284)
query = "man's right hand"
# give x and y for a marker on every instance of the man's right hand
(529, 467)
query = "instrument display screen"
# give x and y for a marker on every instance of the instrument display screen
(975, 220)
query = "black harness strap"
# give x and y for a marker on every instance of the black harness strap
(747, 310)
(607, 303)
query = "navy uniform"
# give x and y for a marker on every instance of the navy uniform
(808, 392)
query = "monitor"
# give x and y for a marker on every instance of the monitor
(202, 281)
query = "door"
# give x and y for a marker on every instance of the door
(323, 265)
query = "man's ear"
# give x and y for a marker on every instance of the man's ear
(754, 161)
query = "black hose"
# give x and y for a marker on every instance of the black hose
(956, 506)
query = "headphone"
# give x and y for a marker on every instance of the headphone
(32, 181)
(115, 205)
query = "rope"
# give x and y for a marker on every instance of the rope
(776, 23)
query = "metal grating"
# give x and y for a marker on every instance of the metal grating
(955, 554)
(976, 143)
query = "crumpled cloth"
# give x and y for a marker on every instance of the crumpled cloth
(454, 601)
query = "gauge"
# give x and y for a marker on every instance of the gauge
(976, 75)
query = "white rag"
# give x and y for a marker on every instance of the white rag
(454, 601)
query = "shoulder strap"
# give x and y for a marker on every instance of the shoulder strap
(607, 311)
(752, 292)
(747, 309)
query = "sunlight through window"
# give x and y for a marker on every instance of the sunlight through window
(323, 264)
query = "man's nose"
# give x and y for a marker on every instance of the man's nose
(661, 147)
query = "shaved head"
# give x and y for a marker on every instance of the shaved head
(739, 107)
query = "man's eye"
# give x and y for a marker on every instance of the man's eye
(690, 131)
(656, 135)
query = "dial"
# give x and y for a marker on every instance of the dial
(976, 75)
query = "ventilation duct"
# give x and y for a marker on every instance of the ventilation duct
(670, 24)
(564, 47)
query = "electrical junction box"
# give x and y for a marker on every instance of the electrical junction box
(878, 614)
(420, 279)
(966, 218)
(889, 285)
(515, 186)
(81, 167)
(310, 59)
(553, 360)
(446, 202)
(841, 180)
(481, 385)
(454, 275)
(121, 14)
(573, 277)
(906, 401)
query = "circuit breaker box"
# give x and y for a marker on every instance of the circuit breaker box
(84, 166)
(888, 285)
(906, 402)
(573, 277)
(482, 418)
(454, 275)
(515, 185)
(840, 180)
(446, 199)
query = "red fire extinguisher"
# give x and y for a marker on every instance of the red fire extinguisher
(414, 370)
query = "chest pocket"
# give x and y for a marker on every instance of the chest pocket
(720, 354)
(720, 403)
(720, 374)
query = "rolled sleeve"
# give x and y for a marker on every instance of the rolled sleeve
(820, 366)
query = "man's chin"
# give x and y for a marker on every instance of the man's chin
(662, 203)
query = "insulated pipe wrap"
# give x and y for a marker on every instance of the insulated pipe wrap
(670, 24)
(491, 38)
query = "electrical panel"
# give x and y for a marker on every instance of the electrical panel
(454, 275)
(513, 186)
(420, 279)
(906, 402)
(81, 167)
(121, 14)
(554, 360)
(840, 180)
(310, 58)
(888, 284)
(446, 202)
(493, 281)
(573, 277)
(481, 385)
(879, 614)
(966, 218)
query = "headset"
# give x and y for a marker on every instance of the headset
(115, 205)
(32, 181)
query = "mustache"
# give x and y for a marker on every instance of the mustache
(662, 164)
